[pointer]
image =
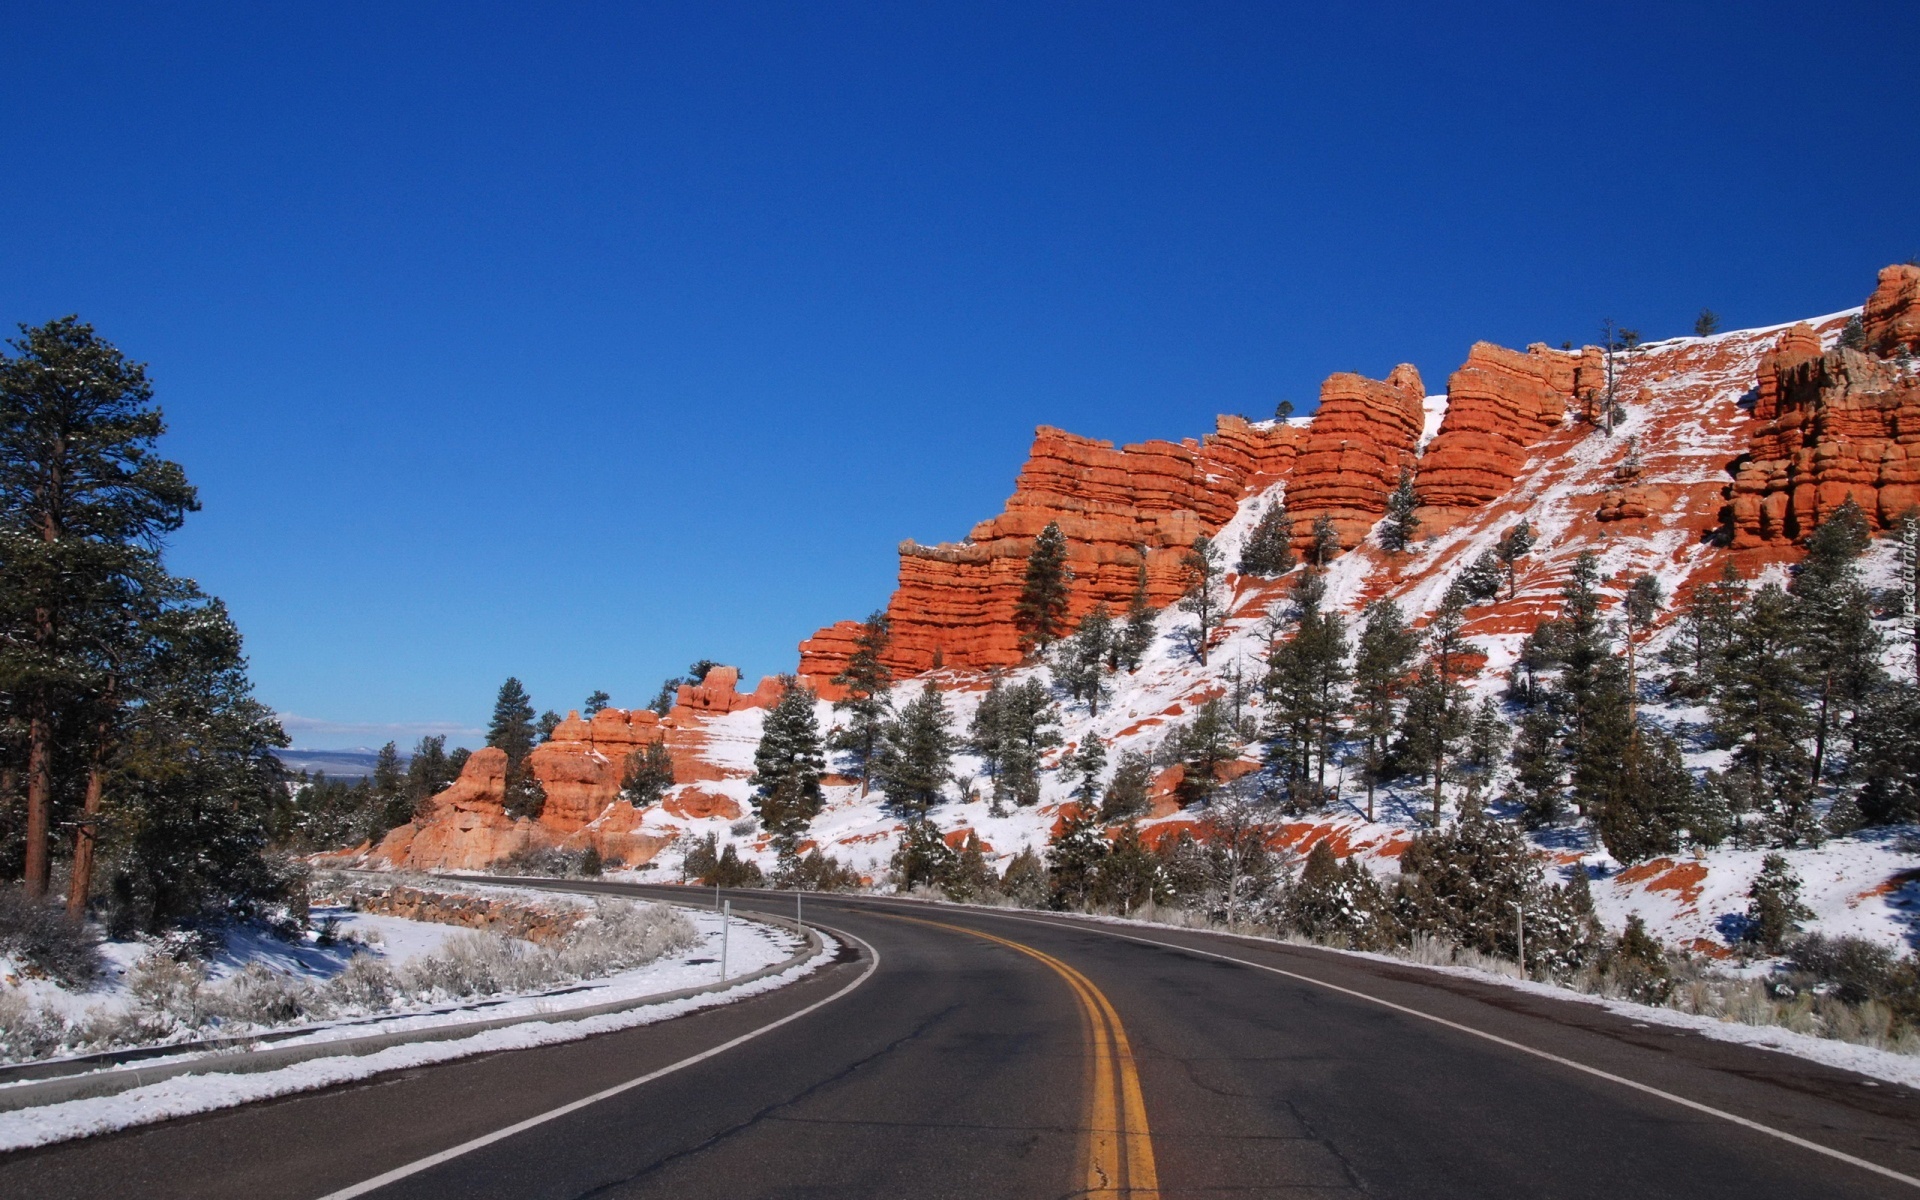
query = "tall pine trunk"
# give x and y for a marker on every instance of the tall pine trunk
(39, 801)
(86, 833)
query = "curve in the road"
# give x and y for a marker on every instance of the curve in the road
(469, 1146)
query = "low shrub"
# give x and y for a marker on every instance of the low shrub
(43, 938)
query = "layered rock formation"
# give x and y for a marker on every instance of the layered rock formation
(1363, 435)
(1500, 403)
(1118, 508)
(1891, 318)
(1831, 426)
(581, 767)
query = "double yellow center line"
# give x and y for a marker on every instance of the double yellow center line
(1118, 1145)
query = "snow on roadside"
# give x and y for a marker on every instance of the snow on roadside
(188, 1094)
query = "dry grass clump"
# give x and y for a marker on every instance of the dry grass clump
(173, 998)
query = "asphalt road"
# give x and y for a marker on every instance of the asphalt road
(1019, 1055)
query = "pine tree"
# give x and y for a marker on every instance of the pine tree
(787, 766)
(1025, 880)
(82, 494)
(867, 680)
(1513, 546)
(1136, 637)
(1538, 767)
(1307, 680)
(390, 788)
(1268, 552)
(1128, 792)
(1086, 764)
(595, 703)
(1083, 665)
(1483, 577)
(1703, 631)
(1028, 729)
(429, 772)
(512, 728)
(923, 858)
(1436, 719)
(1759, 710)
(918, 750)
(1706, 324)
(1774, 911)
(970, 878)
(648, 774)
(1129, 875)
(1401, 525)
(1073, 862)
(1202, 595)
(1834, 611)
(1323, 546)
(1204, 745)
(1041, 612)
(1380, 669)
(1647, 806)
(1886, 762)
(985, 736)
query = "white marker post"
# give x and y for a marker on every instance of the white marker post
(796, 911)
(726, 919)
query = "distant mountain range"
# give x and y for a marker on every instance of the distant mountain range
(356, 763)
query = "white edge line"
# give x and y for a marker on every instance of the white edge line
(1695, 1105)
(487, 1139)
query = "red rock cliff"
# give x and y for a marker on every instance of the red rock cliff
(1500, 403)
(954, 605)
(1364, 433)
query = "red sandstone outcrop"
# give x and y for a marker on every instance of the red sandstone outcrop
(1892, 315)
(1363, 435)
(954, 605)
(580, 767)
(1829, 427)
(1500, 403)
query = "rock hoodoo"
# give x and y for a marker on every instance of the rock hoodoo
(1827, 427)
(1891, 318)
(1365, 432)
(954, 606)
(1500, 403)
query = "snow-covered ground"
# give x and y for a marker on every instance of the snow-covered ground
(1686, 415)
(182, 1095)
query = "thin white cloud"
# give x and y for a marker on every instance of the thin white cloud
(301, 728)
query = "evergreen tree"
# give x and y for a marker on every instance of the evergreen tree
(787, 766)
(390, 788)
(1647, 806)
(1887, 757)
(867, 681)
(1703, 631)
(1513, 546)
(1853, 335)
(1073, 862)
(1538, 767)
(1706, 324)
(512, 728)
(1202, 595)
(1087, 763)
(1136, 637)
(1337, 902)
(918, 753)
(82, 495)
(1834, 612)
(1401, 525)
(429, 772)
(1129, 875)
(1203, 746)
(1323, 546)
(648, 774)
(1483, 577)
(1380, 669)
(970, 878)
(1268, 552)
(1128, 792)
(543, 727)
(1486, 743)
(923, 858)
(1028, 729)
(1041, 612)
(1436, 717)
(196, 781)
(985, 736)
(1025, 880)
(1774, 911)
(1307, 680)
(1759, 711)
(1083, 666)
(595, 703)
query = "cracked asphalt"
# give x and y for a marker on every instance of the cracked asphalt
(959, 1069)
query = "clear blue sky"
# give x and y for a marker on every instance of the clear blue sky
(578, 342)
